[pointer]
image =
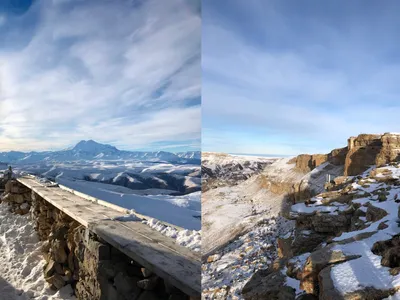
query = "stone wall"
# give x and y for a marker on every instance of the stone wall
(75, 256)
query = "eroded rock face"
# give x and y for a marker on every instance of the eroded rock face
(369, 149)
(362, 153)
(308, 162)
(390, 149)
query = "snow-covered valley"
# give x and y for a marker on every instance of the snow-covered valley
(161, 185)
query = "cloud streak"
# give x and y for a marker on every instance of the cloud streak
(126, 72)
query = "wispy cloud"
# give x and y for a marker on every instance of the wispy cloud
(298, 77)
(126, 72)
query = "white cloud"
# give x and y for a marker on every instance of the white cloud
(296, 98)
(92, 71)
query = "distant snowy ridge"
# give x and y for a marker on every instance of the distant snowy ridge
(91, 150)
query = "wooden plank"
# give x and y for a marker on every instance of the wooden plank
(180, 271)
(160, 254)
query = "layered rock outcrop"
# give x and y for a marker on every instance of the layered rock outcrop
(308, 162)
(361, 152)
(336, 235)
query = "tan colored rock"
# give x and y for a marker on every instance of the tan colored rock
(390, 149)
(56, 281)
(49, 268)
(317, 261)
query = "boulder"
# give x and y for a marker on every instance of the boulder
(375, 213)
(266, 284)
(58, 251)
(330, 223)
(56, 281)
(317, 261)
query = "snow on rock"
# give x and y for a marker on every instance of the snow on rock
(375, 190)
(21, 266)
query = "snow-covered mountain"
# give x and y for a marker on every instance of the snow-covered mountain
(190, 154)
(221, 169)
(91, 150)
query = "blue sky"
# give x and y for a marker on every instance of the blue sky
(289, 77)
(122, 72)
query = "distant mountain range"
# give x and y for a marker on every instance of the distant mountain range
(91, 150)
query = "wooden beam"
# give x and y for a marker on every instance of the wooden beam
(177, 264)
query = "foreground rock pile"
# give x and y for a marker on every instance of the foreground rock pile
(346, 244)
(93, 268)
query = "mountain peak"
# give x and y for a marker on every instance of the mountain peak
(92, 146)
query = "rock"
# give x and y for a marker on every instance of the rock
(382, 197)
(362, 153)
(49, 268)
(306, 241)
(213, 258)
(126, 284)
(146, 272)
(268, 285)
(330, 223)
(148, 284)
(317, 261)
(390, 149)
(306, 163)
(56, 281)
(59, 269)
(285, 247)
(391, 258)
(382, 226)
(394, 271)
(375, 213)
(58, 251)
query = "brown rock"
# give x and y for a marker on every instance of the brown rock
(317, 261)
(58, 251)
(49, 268)
(56, 281)
(382, 225)
(362, 153)
(267, 285)
(375, 213)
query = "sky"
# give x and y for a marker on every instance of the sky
(290, 77)
(126, 73)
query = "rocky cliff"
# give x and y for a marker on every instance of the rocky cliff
(371, 149)
(345, 244)
(361, 152)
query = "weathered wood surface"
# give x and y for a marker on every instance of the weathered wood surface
(176, 264)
